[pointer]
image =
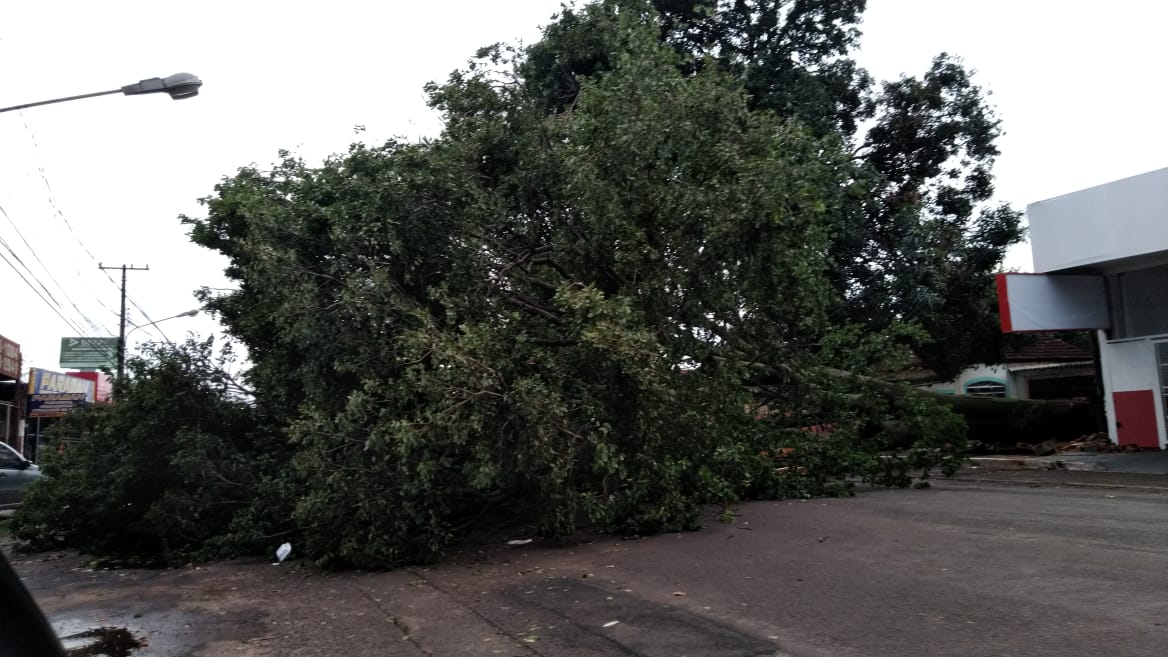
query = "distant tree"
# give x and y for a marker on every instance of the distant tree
(914, 241)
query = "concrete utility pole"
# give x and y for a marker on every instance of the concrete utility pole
(122, 327)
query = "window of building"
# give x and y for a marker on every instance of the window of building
(986, 388)
(1063, 387)
(1137, 303)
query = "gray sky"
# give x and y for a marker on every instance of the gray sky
(1077, 84)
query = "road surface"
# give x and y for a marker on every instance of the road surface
(963, 569)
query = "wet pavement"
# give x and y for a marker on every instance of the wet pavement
(172, 611)
(963, 569)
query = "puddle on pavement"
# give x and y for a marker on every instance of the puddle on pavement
(159, 632)
(85, 639)
(101, 642)
(160, 624)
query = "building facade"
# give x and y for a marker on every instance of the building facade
(1044, 368)
(1101, 263)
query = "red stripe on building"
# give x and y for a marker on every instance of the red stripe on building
(1004, 302)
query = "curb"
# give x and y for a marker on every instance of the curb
(1027, 463)
(1070, 484)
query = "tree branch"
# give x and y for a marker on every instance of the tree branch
(535, 308)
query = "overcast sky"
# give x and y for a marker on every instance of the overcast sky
(1078, 85)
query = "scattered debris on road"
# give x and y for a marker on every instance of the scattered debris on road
(1097, 442)
(1046, 448)
(1088, 443)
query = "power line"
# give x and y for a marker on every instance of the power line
(150, 320)
(98, 327)
(132, 301)
(37, 257)
(33, 288)
(57, 211)
(15, 257)
(48, 297)
(49, 188)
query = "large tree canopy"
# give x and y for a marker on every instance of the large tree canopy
(553, 306)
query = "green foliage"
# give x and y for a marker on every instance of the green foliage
(501, 316)
(937, 437)
(565, 310)
(162, 473)
(915, 242)
(620, 285)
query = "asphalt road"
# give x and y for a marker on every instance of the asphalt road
(963, 569)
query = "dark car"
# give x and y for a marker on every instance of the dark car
(16, 473)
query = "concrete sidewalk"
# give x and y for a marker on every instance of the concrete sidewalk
(958, 570)
(1148, 462)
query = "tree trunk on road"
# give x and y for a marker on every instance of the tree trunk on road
(999, 421)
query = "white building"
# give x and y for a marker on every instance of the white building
(1101, 262)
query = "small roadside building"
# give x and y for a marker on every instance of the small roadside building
(1044, 367)
(1101, 263)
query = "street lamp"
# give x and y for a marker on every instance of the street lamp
(189, 313)
(122, 339)
(177, 86)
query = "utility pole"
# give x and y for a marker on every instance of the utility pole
(122, 328)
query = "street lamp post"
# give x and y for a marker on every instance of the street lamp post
(177, 86)
(31, 630)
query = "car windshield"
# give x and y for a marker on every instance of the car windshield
(10, 458)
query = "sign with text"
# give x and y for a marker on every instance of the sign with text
(9, 358)
(53, 394)
(85, 353)
(104, 385)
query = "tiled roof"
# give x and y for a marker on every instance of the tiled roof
(1047, 349)
(1050, 351)
(1039, 367)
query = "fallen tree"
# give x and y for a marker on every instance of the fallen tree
(496, 322)
(1010, 421)
(988, 420)
(501, 316)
